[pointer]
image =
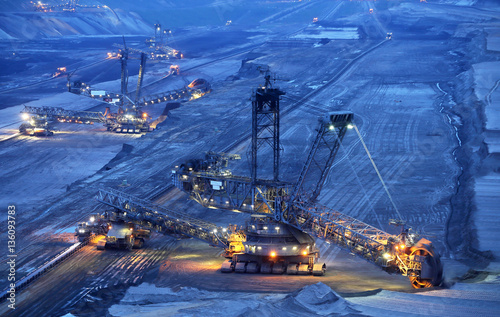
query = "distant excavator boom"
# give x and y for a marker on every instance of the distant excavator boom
(140, 77)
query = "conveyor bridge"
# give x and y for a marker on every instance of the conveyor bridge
(161, 219)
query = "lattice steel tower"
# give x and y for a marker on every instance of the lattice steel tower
(266, 124)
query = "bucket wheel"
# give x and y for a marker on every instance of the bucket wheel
(431, 273)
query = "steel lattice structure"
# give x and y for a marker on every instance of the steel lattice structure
(335, 227)
(331, 131)
(216, 190)
(161, 219)
(265, 125)
(140, 77)
(164, 96)
(60, 113)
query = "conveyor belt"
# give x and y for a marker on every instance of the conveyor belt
(162, 219)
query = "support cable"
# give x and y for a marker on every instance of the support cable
(378, 173)
(361, 185)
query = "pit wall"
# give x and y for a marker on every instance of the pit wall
(462, 232)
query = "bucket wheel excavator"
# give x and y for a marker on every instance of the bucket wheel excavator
(295, 205)
(129, 118)
(285, 218)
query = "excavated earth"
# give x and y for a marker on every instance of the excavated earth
(423, 101)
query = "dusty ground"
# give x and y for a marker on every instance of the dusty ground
(407, 95)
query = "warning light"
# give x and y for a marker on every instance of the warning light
(273, 254)
(304, 252)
